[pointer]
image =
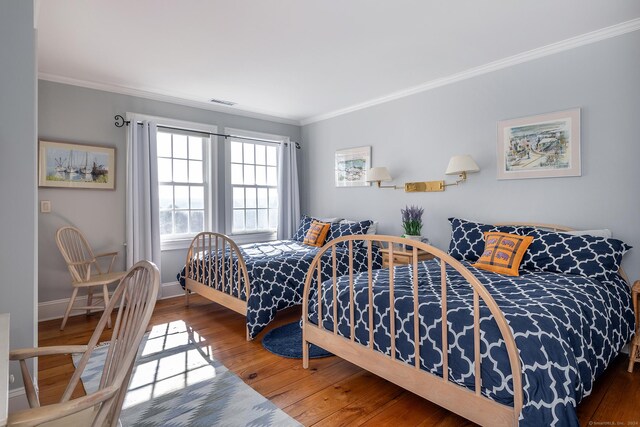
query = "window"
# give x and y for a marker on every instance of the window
(183, 184)
(253, 186)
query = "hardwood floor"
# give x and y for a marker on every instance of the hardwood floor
(332, 392)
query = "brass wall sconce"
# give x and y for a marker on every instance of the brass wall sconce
(458, 165)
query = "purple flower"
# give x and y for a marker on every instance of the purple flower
(412, 220)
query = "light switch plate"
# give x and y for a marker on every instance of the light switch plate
(45, 206)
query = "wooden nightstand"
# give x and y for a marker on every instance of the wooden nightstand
(402, 256)
(634, 353)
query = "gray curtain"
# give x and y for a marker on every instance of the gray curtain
(142, 210)
(288, 190)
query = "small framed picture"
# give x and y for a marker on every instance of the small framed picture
(351, 166)
(65, 165)
(543, 146)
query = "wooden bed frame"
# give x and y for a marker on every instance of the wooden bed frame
(221, 246)
(469, 404)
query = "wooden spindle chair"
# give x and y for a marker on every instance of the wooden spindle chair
(136, 297)
(85, 270)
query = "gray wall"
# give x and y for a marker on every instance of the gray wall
(80, 115)
(415, 137)
(18, 260)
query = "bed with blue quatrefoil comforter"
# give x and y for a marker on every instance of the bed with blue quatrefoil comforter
(277, 271)
(566, 327)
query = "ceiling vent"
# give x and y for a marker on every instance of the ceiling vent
(222, 102)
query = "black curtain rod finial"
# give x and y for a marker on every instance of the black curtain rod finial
(120, 121)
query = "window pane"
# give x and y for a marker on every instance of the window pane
(238, 197)
(164, 144)
(249, 175)
(263, 219)
(182, 160)
(166, 222)
(195, 148)
(180, 146)
(166, 196)
(273, 198)
(180, 171)
(248, 153)
(251, 198)
(261, 175)
(182, 197)
(272, 176)
(236, 152)
(261, 154)
(197, 198)
(236, 174)
(273, 219)
(195, 171)
(238, 220)
(263, 201)
(251, 219)
(196, 221)
(272, 157)
(164, 170)
(182, 222)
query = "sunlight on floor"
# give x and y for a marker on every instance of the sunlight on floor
(173, 357)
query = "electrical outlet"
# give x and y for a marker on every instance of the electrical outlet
(45, 206)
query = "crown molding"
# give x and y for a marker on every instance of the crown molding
(173, 99)
(561, 46)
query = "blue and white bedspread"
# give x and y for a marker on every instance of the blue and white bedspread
(277, 271)
(567, 329)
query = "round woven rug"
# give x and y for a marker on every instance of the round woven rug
(286, 341)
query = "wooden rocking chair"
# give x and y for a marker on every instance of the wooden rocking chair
(136, 296)
(85, 270)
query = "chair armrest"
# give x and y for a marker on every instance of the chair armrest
(28, 353)
(89, 261)
(113, 256)
(37, 416)
(106, 254)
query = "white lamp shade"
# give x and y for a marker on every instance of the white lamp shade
(378, 174)
(461, 163)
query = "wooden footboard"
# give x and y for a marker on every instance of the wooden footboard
(467, 403)
(214, 277)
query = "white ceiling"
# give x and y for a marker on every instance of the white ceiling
(294, 59)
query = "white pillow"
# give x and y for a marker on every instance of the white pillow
(373, 228)
(329, 220)
(606, 233)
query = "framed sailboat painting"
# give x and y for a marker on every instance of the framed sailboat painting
(65, 165)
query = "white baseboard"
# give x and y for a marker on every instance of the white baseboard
(55, 309)
(18, 400)
(171, 290)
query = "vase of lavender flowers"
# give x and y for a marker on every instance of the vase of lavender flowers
(412, 222)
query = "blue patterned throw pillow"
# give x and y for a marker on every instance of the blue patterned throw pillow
(303, 228)
(588, 256)
(467, 237)
(348, 229)
(305, 225)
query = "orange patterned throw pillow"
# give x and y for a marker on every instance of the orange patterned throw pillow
(317, 233)
(503, 252)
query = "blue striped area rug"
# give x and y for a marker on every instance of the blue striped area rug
(177, 382)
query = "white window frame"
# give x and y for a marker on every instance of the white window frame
(245, 237)
(210, 157)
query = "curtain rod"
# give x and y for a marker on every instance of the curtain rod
(120, 122)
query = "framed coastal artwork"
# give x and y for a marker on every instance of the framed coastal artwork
(65, 165)
(543, 146)
(351, 166)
